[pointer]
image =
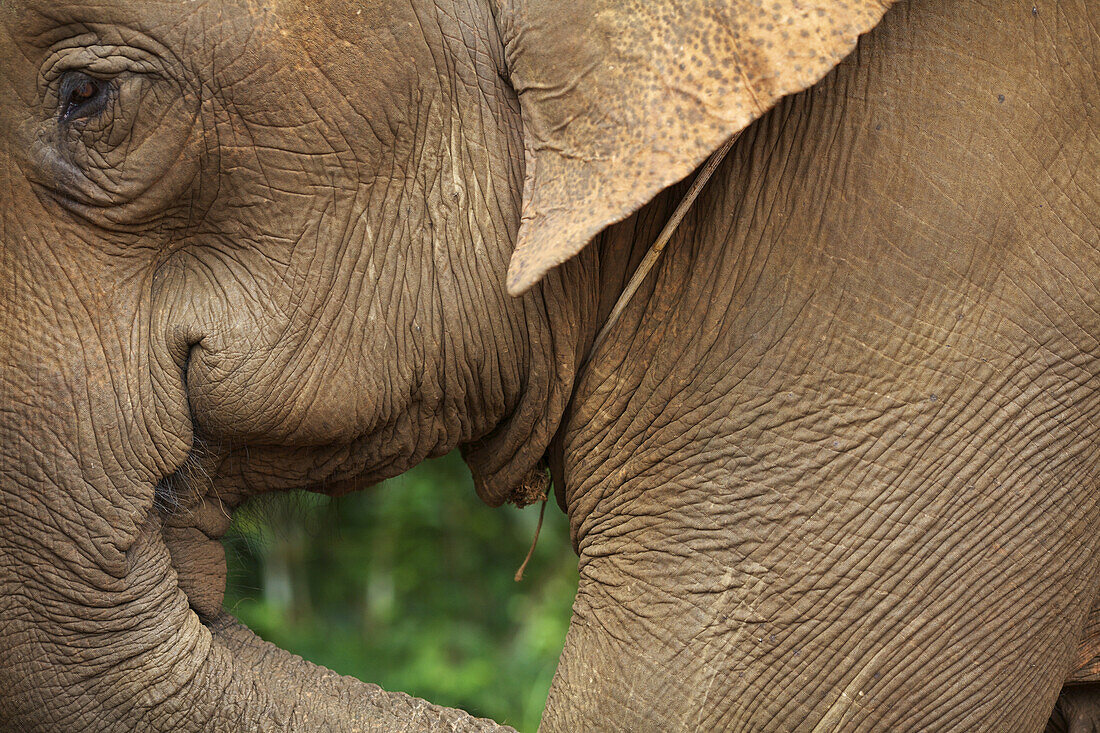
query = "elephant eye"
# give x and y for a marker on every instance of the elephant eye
(82, 96)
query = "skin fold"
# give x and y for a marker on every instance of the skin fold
(834, 468)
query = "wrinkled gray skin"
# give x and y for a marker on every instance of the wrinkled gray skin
(834, 469)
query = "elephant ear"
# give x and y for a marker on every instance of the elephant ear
(621, 98)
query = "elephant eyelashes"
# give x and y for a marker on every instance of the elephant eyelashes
(82, 96)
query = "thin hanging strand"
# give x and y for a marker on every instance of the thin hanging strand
(538, 527)
(646, 265)
(654, 252)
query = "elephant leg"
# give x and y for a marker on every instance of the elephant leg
(1078, 706)
(1086, 664)
(1077, 710)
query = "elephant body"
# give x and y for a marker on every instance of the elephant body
(852, 364)
(832, 469)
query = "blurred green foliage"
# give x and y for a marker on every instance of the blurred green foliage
(409, 584)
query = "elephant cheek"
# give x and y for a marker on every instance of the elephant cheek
(200, 566)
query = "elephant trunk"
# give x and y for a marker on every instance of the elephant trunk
(88, 651)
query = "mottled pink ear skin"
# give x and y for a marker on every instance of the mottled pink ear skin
(621, 99)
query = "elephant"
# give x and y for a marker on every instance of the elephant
(831, 466)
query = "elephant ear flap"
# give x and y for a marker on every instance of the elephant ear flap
(620, 99)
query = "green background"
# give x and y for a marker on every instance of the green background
(409, 584)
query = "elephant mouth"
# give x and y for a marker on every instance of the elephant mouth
(193, 519)
(177, 492)
(199, 562)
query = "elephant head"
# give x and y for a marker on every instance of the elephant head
(252, 247)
